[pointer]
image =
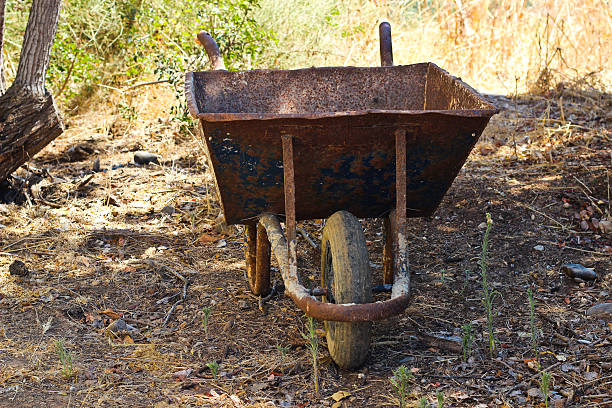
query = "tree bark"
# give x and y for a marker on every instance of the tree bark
(37, 44)
(2, 80)
(29, 119)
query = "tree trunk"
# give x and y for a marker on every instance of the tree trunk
(29, 119)
(2, 80)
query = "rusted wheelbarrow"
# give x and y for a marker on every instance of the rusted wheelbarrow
(335, 143)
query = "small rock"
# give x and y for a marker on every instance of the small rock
(539, 248)
(482, 225)
(605, 226)
(259, 386)
(590, 375)
(117, 326)
(243, 304)
(18, 268)
(601, 310)
(142, 157)
(221, 226)
(578, 271)
(168, 210)
(78, 152)
(560, 403)
(183, 374)
(568, 367)
(120, 327)
(534, 393)
(96, 165)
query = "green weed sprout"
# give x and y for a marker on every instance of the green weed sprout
(206, 314)
(545, 386)
(65, 358)
(401, 381)
(422, 403)
(488, 294)
(214, 368)
(282, 350)
(440, 398)
(467, 278)
(466, 340)
(313, 345)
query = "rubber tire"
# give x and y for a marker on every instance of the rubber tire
(345, 272)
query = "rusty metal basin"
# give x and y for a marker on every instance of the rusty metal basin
(342, 120)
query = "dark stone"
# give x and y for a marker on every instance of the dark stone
(601, 310)
(142, 157)
(578, 271)
(18, 268)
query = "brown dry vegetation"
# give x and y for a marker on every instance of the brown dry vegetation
(122, 242)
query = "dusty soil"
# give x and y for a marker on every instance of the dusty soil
(127, 242)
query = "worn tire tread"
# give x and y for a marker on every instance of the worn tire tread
(344, 240)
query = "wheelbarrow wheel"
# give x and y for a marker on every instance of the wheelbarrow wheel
(345, 273)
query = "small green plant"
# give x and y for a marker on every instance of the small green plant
(214, 368)
(534, 329)
(466, 340)
(443, 277)
(313, 346)
(282, 350)
(128, 112)
(205, 315)
(467, 279)
(401, 381)
(422, 403)
(488, 294)
(545, 386)
(440, 398)
(65, 358)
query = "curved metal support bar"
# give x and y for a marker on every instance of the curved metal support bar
(328, 311)
(212, 49)
(386, 49)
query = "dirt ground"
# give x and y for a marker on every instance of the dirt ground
(126, 243)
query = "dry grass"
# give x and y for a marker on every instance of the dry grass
(498, 46)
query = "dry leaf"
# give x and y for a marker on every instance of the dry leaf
(205, 238)
(182, 375)
(111, 313)
(340, 395)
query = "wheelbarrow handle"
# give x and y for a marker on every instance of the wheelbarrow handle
(386, 49)
(212, 49)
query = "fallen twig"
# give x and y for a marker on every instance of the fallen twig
(185, 281)
(84, 182)
(303, 233)
(276, 288)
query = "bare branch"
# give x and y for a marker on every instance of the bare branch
(37, 43)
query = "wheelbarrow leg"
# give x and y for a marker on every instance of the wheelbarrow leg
(395, 251)
(401, 272)
(258, 259)
(389, 250)
(289, 184)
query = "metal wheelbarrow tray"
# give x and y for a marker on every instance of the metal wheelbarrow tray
(353, 142)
